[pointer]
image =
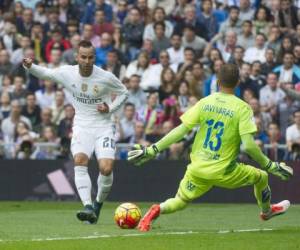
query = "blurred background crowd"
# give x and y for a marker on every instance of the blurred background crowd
(166, 52)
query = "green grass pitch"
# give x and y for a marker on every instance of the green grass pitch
(53, 226)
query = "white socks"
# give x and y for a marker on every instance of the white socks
(83, 184)
(104, 186)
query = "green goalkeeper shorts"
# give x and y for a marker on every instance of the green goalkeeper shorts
(192, 187)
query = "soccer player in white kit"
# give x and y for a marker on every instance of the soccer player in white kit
(93, 129)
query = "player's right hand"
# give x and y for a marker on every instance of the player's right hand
(140, 154)
(27, 62)
(281, 170)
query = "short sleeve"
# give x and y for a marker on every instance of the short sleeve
(192, 116)
(246, 121)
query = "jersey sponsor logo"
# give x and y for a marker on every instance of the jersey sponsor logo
(86, 99)
(84, 87)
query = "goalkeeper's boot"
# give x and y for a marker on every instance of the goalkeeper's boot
(87, 214)
(97, 208)
(151, 215)
(276, 209)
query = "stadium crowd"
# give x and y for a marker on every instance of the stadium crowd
(166, 52)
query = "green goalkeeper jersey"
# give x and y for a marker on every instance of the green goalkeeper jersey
(222, 119)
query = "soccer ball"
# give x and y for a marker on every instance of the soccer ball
(127, 215)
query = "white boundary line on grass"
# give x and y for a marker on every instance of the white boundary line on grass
(138, 235)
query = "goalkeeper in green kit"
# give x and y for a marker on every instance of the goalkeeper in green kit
(225, 121)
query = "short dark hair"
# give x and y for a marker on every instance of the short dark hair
(228, 76)
(159, 23)
(85, 44)
(129, 104)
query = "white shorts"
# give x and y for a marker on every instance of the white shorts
(87, 140)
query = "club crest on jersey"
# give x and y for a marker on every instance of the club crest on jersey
(96, 89)
(84, 87)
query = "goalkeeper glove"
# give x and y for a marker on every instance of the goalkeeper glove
(281, 170)
(140, 154)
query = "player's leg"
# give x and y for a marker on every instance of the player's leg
(105, 152)
(81, 150)
(189, 189)
(244, 175)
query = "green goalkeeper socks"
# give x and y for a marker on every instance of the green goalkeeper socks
(172, 205)
(262, 193)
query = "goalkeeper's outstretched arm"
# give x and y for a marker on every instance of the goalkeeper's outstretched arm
(140, 154)
(279, 169)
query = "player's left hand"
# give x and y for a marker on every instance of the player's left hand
(281, 170)
(103, 108)
(140, 154)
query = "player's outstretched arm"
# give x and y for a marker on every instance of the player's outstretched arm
(39, 71)
(281, 170)
(140, 154)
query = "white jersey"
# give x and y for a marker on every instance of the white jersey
(87, 92)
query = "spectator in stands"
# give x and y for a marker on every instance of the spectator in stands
(148, 47)
(288, 16)
(6, 83)
(72, 28)
(139, 136)
(92, 6)
(191, 40)
(159, 15)
(132, 32)
(246, 39)
(10, 37)
(38, 41)
(293, 131)
(260, 134)
(4, 105)
(196, 86)
(141, 67)
(88, 34)
(31, 110)
(160, 41)
(57, 41)
(275, 139)
(167, 87)
(64, 129)
(270, 63)
(232, 23)
(67, 10)
(55, 58)
(262, 20)
(39, 14)
(296, 52)
(189, 59)
(264, 117)
(208, 19)
(287, 45)
(258, 80)
(183, 96)
(145, 11)
(271, 95)
(45, 97)
(151, 116)
(288, 72)
(68, 55)
(8, 124)
(46, 120)
(127, 123)
(176, 51)
(136, 95)
(5, 64)
(25, 22)
(274, 38)
(237, 56)
(121, 12)
(246, 11)
(105, 47)
(23, 133)
(58, 107)
(210, 85)
(53, 23)
(114, 65)
(171, 111)
(18, 54)
(101, 25)
(257, 52)
(19, 92)
(227, 48)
